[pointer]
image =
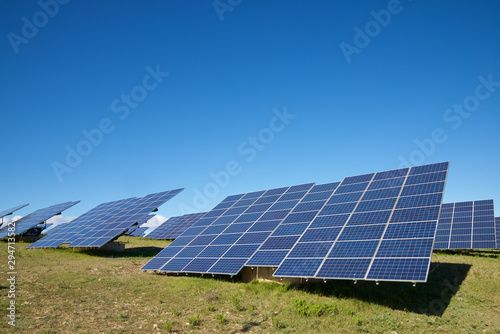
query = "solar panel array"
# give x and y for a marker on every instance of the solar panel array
(175, 226)
(377, 226)
(39, 216)
(105, 222)
(466, 225)
(11, 210)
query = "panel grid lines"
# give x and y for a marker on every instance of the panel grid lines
(386, 226)
(467, 225)
(387, 223)
(330, 188)
(247, 222)
(497, 232)
(105, 222)
(299, 189)
(175, 226)
(12, 210)
(343, 227)
(262, 214)
(31, 220)
(221, 233)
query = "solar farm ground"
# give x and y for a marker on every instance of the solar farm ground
(68, 291)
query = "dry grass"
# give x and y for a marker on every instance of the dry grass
(66, 291)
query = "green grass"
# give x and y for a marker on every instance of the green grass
(68, 291)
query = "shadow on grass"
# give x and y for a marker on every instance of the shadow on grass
(495, 254)
(248, 326)
(431, 298)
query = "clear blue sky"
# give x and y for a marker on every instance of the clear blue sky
(362, 93)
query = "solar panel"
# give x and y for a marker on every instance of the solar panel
(105, 222)
(377, 226)
(39, 216)
(497, 231)
(138, 230)
(466, 225)
(11, 210)
(223, 240)
(175, 226)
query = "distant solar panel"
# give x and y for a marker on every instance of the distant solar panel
(39, 216)
(11, 210)
(105, 222)
(497, 231)
(377, 226)
(175, 226)
(138, 232)
(48, 227)
(466, 225)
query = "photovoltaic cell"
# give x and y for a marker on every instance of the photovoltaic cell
(175, 226)
(39, 216)
(11, 210)
(466, 225)
(497, 231)
(105, 222)
(376, 226)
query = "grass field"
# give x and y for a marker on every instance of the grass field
(67, 291)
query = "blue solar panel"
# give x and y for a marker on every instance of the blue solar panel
(289, 231)
(376, 226)
(11, 210)
(466, 225)
(242, 223)
(175, 226)
(497, 230)
(39, 216)
(138, 230)
(105, 222)
(342, 268)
